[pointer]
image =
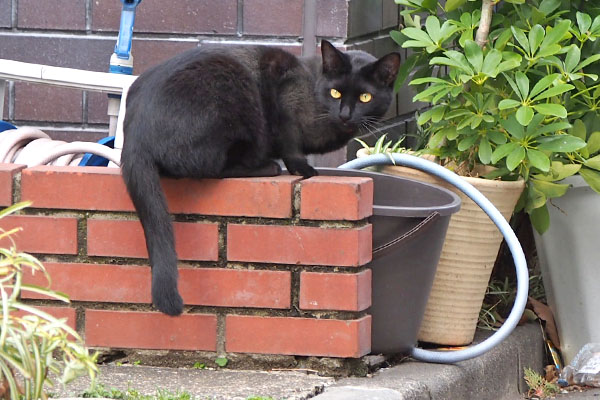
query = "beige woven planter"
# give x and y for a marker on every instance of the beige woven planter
(468, 256)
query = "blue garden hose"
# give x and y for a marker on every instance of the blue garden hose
(447, 357)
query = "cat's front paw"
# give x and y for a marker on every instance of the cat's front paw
(301, 168)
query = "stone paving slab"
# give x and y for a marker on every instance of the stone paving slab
(496, 375)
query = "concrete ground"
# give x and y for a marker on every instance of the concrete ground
(496, 375)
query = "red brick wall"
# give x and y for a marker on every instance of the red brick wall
(267, 265)
(82, 34)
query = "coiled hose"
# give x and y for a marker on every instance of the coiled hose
(31, 147)
(447, 357)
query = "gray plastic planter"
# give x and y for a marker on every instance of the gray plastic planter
(409, 221)
(569, 257)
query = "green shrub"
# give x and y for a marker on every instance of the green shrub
(36, 349)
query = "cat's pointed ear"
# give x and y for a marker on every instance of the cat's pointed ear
(386, 68)
(333, 59)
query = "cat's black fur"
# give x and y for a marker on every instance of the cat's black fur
(231, 111)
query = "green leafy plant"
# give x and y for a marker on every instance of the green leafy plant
(383, 145)
(513, 85)
(539, 386)
(221, 361)
(34, 346)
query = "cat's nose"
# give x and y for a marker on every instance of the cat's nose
(345, 114)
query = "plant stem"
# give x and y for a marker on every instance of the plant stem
(487, 8)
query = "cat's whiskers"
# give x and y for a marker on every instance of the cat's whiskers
(366, 127)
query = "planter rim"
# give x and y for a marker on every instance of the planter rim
(475, 181)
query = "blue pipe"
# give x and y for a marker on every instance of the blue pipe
(520, 302)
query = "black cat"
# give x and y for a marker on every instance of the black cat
(230, 112)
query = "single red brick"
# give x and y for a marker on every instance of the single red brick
(250, 197)
(336, 198)
(41, 234)
(7, 173)
(198, 286)
(149, 52)
(47, 103)
(273, 17)
(150, 330)
(298, 336)
(235, 288)
(299, 244)
(75, 188)
(94, 282)
(51, 14)
(177, 16)
(344, 292)
(125, 238)
(57, 312)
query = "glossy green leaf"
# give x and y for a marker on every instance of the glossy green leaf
(514, 87)
(451, 63)
(561, 171)
(554, 91)
(485, 151)
(546, 51)
(591, 177)
(405, 68)
(555, 110)
(513, 127)
(424, 95)
(521, 38)
(436, 139)
(551, 189)
(432, 25)
(584, 21)
(578, 130)
(561, 143)
(536, 35)
(503, 39)
(556, 34)
(593, 142)
(398, 37)
(467, 143)
(418, 35)
(508, 103)
(572, 58)
(496, 137)
(524, 115)
(543, 84)
(452, 5)
(593, 162)
(540, 219)
(474, 55)
(535, 198)
(548, 6)
(588, 61)
(538, 159)
(522, 83)
(515, 158)
(491, 62)
(550, 128)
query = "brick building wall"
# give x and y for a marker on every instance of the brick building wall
(82, 34)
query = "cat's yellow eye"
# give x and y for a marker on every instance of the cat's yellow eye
(335, 93)
(365, 97)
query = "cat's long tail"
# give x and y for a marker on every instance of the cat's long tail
(143, 183)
